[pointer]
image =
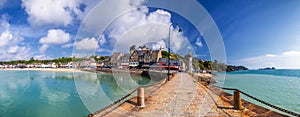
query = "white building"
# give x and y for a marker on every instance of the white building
(190, 62)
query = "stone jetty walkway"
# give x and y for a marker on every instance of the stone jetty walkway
(181, 96)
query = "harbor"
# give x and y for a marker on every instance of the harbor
(183, 95)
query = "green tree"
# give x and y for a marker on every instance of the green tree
(164, 54)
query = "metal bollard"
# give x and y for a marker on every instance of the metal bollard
(141, 97)
(237, 100)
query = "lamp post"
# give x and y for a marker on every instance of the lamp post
(169, 53)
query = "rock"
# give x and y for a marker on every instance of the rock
(207, 78)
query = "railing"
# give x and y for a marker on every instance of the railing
(114, 103)
(140, 97)
(238, 103)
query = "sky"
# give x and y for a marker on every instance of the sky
(255, 33)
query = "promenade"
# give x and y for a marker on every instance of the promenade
(181, 96)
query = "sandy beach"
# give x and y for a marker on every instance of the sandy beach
(45, 69)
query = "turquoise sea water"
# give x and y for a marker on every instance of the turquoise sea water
(278, 87)
(58, 94)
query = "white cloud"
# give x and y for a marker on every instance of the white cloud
(102, 40)
(42, 57)
(13, 49)
(270, 55)
(159, 16)
(67, 45)
(103, 50)
(56, 37)
(285, 60)
(199, 43)
(128, 23)
(5, 38)
(140, 28)
(43, 48)
(159, 45)
(292, 53)
(10, 44)
(87, 44)
(97, 24)
(4, 22)
(52, 12)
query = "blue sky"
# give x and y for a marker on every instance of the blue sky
(256, 33)
(259, 33)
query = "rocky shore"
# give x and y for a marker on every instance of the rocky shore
(206, 78)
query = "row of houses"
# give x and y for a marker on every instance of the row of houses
(40, 65)
(141, 57)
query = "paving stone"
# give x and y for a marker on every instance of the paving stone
(180, 97)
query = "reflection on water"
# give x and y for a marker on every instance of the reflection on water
(99, 92)
(57, 94)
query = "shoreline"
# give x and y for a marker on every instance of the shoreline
(43, 69)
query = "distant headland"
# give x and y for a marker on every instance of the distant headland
(267, 68)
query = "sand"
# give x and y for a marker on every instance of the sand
(45, 69)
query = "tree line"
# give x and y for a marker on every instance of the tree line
(205, 64)
(57, 60)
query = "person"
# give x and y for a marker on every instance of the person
(90, 115)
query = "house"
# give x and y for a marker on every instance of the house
(87, 62)
(100, 64)
(67, 65)
(106, 62)
(52, 65)
(30, 66)
(115, 59)
(44, 66)
(174, 64)
(125, 61)
(143, 56)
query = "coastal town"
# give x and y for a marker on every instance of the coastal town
(149, 58)
(138, 58)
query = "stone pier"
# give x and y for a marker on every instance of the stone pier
(181, 96)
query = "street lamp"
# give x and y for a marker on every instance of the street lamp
(169, 53)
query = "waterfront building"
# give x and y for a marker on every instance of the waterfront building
(115, 59)
(87, 62)
(52, 65)
(174, 64)
(143, 56)
(100, 64)
(125, 61)
(164, 61)
(67, 65)
(106, 62)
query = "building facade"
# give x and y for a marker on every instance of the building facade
(125, 61)
(115, 59)
(190, 62)
(143, 56)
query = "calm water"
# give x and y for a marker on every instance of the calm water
(278, 87)
(58, 94)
